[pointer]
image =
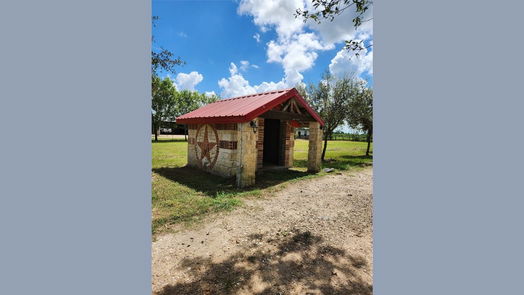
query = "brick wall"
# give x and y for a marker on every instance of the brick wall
(287, 143)
(260, 143)
(290, 145)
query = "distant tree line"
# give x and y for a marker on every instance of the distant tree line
(349, 136)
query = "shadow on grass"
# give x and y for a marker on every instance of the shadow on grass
(298, 260)
(345, 162)
(213, 185)
(356, 161)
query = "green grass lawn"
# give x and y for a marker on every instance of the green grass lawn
(184, 194)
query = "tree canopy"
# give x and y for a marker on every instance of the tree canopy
(330, 98)
(163, 103)
(187, 101)
(169, 103)
(161, 58)
(360, 113)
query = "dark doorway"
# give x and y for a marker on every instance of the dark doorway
(271, 141)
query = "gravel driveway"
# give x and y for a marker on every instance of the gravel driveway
(312, 237)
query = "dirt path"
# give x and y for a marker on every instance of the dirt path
(312, 237)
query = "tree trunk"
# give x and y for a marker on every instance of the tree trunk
(325, 146)
(185, 132)
(370, 132)
(156, 129)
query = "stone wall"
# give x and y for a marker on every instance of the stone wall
(191, 155)
(218, 153)
(224, 149)
(247, 155)
(234, 149)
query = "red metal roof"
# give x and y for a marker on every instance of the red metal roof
(244, 108)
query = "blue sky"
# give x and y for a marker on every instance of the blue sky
(218, 42)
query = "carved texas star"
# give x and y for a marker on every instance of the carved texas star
(206, 147)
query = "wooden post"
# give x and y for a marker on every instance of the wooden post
(315, 147)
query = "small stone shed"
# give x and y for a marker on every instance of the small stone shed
(239, 136)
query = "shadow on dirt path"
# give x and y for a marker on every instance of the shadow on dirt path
(296, 263)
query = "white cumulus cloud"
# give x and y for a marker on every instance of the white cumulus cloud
(347, 63)
(296, 55)
(244, 65)
(185, 81)
(210, 93)
(237, 85)
(342, 28)
(276, 14)
(297, 44)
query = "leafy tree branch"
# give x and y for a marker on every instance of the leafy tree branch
(329, 9)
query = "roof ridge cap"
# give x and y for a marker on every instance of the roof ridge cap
(255, 94)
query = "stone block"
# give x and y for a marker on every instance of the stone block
(315, 147)
(247, 155)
